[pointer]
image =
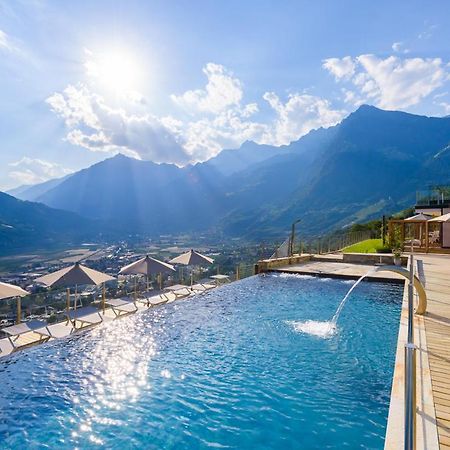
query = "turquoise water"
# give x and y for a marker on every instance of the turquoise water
(225, 370)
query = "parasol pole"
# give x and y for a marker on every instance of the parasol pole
(103, 298)
(76, 294)
(19, 310)
(68, 301)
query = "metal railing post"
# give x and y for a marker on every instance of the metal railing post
(410, 366)
(410, 397)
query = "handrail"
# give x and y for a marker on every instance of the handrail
(410, 349)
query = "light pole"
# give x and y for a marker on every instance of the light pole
(291, 243)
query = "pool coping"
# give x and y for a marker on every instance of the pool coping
(426, 425)
(341, 276)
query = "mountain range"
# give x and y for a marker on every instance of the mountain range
(28, 225)
(370, 164)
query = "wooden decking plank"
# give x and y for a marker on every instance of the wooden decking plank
(436, 271)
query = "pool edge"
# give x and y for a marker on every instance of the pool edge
(427, 437)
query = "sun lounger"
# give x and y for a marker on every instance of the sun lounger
(57, 330)
(179, 290)
(220, 279)
(158, 298)
(122, 306)
(203, 286)
(86, 316)
(24, 334)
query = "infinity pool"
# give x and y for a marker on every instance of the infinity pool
(226, 369)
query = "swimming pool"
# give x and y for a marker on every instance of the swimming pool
(225, 369)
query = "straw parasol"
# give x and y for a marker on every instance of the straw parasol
(147, 266)
(192, 258)
(10, 290)
(73, 276)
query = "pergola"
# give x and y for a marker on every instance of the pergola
(421, 233)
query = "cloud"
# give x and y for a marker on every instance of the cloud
(95, 126)
(222, 91)
(341, 68)
(399, 47)
(5, 42)
(300, 114)
(393, 82)
(32, 171)
(428, 32)
(207, 120)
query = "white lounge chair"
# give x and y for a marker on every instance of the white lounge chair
(221, 279)
(57, 330)
(203, 286)
(154, 298)
(25, 334)
(87, 316)
(122, 306)
(179, 290)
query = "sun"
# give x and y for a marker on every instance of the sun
(115, 70)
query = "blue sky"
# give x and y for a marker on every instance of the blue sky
(177, 81)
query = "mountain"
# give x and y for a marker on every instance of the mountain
(370, 164)
(142, 196)
(33, 191)
(229, 162)
(26, 225)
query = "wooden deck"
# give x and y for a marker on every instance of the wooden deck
(437, 329)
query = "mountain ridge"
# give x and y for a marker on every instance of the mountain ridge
(369, 164)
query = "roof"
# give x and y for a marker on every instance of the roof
(419, 218)
(444, 218)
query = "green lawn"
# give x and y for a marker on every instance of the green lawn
(368, 246)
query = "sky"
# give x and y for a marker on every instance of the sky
(178, 81)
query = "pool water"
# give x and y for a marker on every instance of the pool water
(227, 369)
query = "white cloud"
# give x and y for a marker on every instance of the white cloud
(399, 47)
(300, 114)
(341, 68)
(216, 119)
(222, 91)
(446, 107)
(5, 42)
(428, 32)
(94, 125)
(394, 82)
(31, 171)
